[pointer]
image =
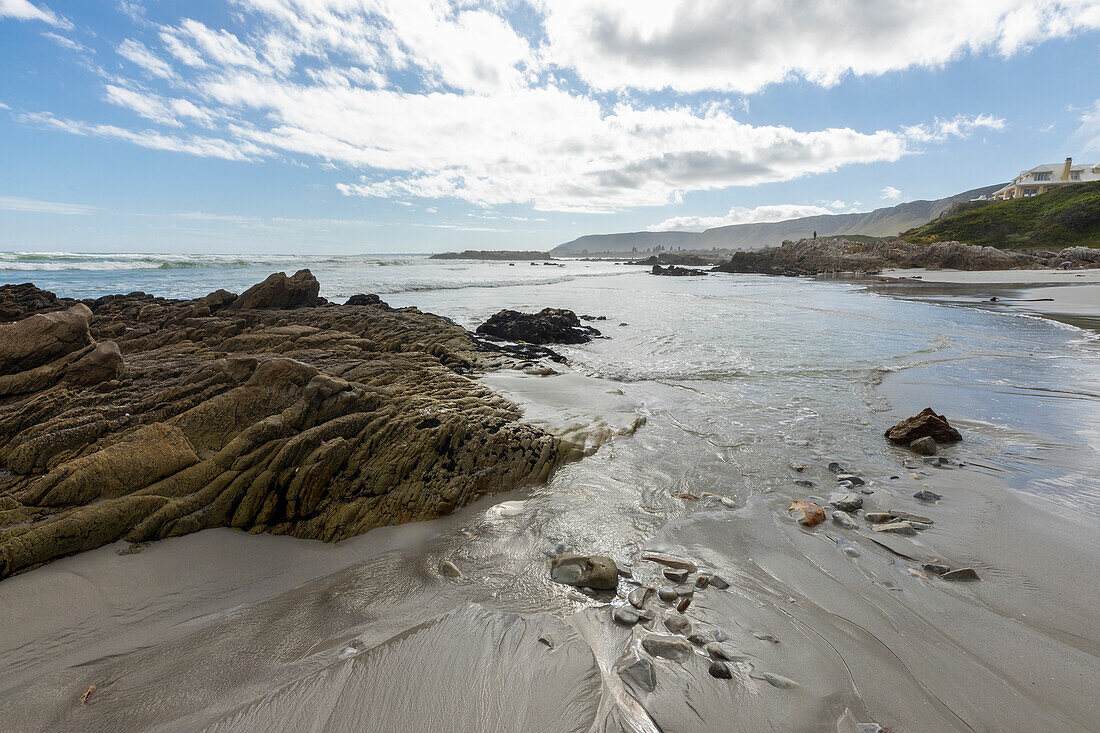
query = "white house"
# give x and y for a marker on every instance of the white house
(1043, 178)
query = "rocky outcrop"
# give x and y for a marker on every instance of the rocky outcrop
(368, 299)
(817, 256)
(548, 326)
(166, 417)
(925, 424)
(674, 271)
(279, 291)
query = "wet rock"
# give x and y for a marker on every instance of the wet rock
(764, 636)
(637, 597)
(639, 674)
(846, 502)
(851, 478)
(676, 575)
(836, 467)
(718, 650)
(909, 517)
(548, 326)
(43, 337)
(844, 519)
(807, 513)
(589, 571)
(685, 590)
(778, 680)
(720, 670)
(718, 582)
(366, 299)
(670, 561)
(925, 446)
(677, 624)
(869, 728)
(936, 568)
(449, 569)
(804, 482)
(903, 528)
(675, 648)
(926, 495)
(626, 616)
(280, 292)
(961, 574)
(878, 517)
(924, 424)
(666, 594)
(674, 271)
(683, 603)
(702, 581)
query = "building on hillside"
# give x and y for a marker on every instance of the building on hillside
(1043, 178)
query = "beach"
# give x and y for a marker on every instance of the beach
(710, 406)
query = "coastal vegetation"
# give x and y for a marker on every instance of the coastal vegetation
(1064, 217)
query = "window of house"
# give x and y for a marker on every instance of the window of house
(1075, 175)
(1030, 191)
(1043, 176)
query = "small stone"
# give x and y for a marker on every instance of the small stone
(702, 581)
(804, 482)
(778, 680)
(936, 568)
(836, 467)
(717, 650)
(961, 574)
(868, 728)
(720, 670)
(677, 624)
(877, 517)
(763, 636)
(807, 513)
(844, 519)
(667, 647)
(798, 467)
(921, 526)
(925, 446)
(670, 561)
(626, 616)
(925, 495)
(623, 570)
(718, 582)
(676, 575)
(590, 571)
(729, 503)
(895, 528)
(911, 463)
(909, 517)
(637, 597)
(666, 594)
(449, 569)
(850, 478)
(683, 604)
(640, 673)
(847, 502)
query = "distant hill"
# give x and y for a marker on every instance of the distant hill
(1066, 216)
(482, 254)
(884, 222)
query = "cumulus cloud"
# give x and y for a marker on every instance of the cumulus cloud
(696, 45)
(25, 10)
(743, 215)
(889, 193)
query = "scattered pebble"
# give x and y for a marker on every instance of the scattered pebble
(717, 650)
(926, 495)
(804, 482)
(936, 568)
(637, 596)
(667, 647)
(718, 582)
(877, 517)
(847, 502)
(807, 513)
(666, 594)
(909, 517)
(844, 519)
(720, 670)
(896, 528)
(778, 680)
(626, 616)
(670, 561)
(640, 673)
(678, 624)
(763, 636)
(702, 581)
(850, 478)
(925, 446)
(836, 467)
(676, 575)
(683, 604)
(961, 574)
(449, 569)
(87, 694)
(729, 503)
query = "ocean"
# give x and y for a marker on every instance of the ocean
(730, 385)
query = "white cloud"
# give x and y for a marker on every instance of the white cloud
(136, 52)
(889, 193)
(149, 106)
(16, 203)
(1089, 132)
(960, 126)
(68, 43)
(743, 215)
(695, 45)
(24, 10)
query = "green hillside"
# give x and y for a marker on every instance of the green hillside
(1063, 217)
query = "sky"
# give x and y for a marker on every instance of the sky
(362, 126)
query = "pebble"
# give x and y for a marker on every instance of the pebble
(877, 517)
(729, 503)
(669, 561)
(717, 650)
(804, 482)
(926, 495)
(702, 582)
(778, 680)
(896, 528)
(807, 513)
(836, 467)
(847, 502)
(666, 594)
(626, 616)
(868, 728)
(844, 519)
(676, 575)
(685, 590)
(936, 568)
(641, 674)
(637, 596)
(920, 525)
(718, 582)
(925, 446)
(677, 624)
(908, 517)
(449, 569)
(961, 574)
(720, 670)
(683, 604)
(850, 478)
(667, 647)
(762, 636)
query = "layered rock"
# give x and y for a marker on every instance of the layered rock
(816, 256)
(548, 326)
(154, 418)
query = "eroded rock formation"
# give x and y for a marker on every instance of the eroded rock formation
(139, 418)
(548, 326)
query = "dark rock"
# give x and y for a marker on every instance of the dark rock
(677, 624)
(836, 467)
(926, 495)
(804, 482)
(925, 424)
(674, 271)
(720, 669)
(675, 648)
(367, 299)
(718, 650)
(718, 582)
(764, 636)
(548, 326)
(281, 292)
(925, 446)
(851, 478)
(626, 616)
(847, 502)
(670, 561)
(676, 575)
(878, 517)
(666, 594)
(42, 338)
(961, 574)
(702, 581)
(589, 571)
(639, 674)
(936, 568)
(683, 603)
(844, 519)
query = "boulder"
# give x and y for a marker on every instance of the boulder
(548, 326)
(43, 337)
(279, 291)
(924, 424)
(674, 271)
(102, 364)
(807, 513)
(589, 571)
(368, 299)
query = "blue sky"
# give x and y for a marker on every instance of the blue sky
(342, 126)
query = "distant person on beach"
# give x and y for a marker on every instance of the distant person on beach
(815, 234)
